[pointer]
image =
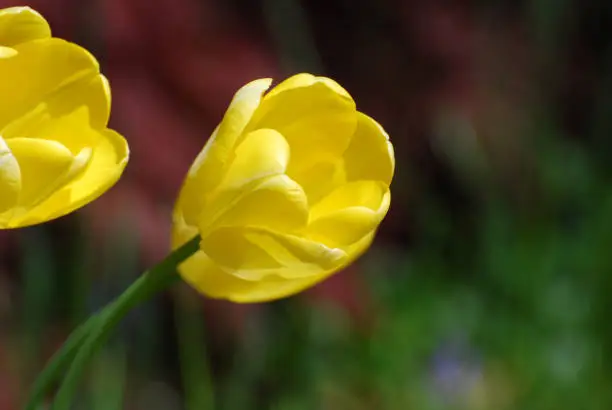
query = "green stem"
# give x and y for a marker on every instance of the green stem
(59, 362)
(151, 282)
(88, 338)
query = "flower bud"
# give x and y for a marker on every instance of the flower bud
(289, 189)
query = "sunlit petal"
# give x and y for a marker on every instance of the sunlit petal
(254, 253)
(370, 155)
(21, 24)
(315, 115)
(41, 68)
(208, 168)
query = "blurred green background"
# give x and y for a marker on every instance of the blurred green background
(489, 284)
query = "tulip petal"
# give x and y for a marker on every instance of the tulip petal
(254, 253)
(343, 227)
(43, 165)
(219, 149)
(320, 178)
(109, 157)
(54, 117)
(273, 288)
(276, 203)
(10, 178)
(207, 278)
(21, 24)
(201, 272)
(63, 64)
(307, 80)
(367, 194)
(268, 290)
(76, 117)
(210, 164)
(7, 52)
(262, 153)
(315, 115)
(370, 155)
(349, 213)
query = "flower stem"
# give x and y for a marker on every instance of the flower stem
(58, 363)
(88, 338)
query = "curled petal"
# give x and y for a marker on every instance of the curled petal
(21, 24)
(370, 155)
(319, 178)
(344, 227)
(349, 213)
(201, 272)
(238, 290)
(208, 278)
(209, 167)
(254, 253)
(366, 194)
(53, 117)
(44, 166)
(262, 153)
(275, 202)
(109, 156)
(41, 68)
(314, 114)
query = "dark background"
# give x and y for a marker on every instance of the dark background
(489, 285)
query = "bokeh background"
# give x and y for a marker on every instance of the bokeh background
(490, 283)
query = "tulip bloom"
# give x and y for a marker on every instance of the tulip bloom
(56, 153)
(290, 188)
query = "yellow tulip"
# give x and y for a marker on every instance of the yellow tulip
(290, 188)
(56, 153)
